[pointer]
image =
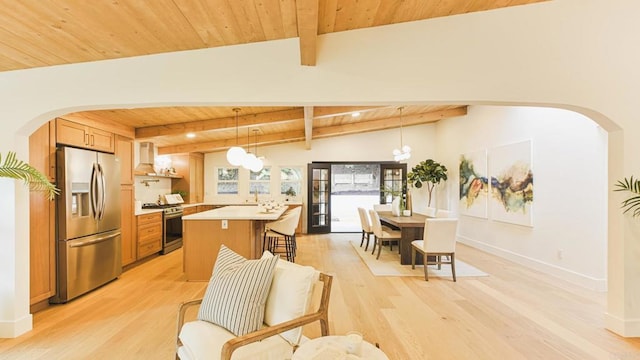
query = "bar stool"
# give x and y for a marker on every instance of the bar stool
(282, 234)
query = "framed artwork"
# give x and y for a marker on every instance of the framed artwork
(474, 184)
(510, 167)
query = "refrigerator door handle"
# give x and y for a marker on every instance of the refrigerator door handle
(103, 190)
(93, 241)
(92, 192)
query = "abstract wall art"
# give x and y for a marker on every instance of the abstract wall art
(474, 185)
(510, 168)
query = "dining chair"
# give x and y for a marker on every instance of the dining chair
(366, 227)
(282, 234)
(438, 240)
(431, 212)
(443, 213)
(381, 235)
(382, 207)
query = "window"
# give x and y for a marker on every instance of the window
(260, 181)
(227, 181)
(290, 181)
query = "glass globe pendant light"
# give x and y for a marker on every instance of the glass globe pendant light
(404, 153)
(236, 154)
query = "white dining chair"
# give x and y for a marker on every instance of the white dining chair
(282, 233)
(430, 212)
(383, 235)
(366, 227)
(438, 240)
(382, 207)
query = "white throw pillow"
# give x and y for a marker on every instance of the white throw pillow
(237, 292)
(290, 295)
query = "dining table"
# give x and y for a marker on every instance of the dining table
(411, 228)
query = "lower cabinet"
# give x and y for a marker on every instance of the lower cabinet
(149, 234)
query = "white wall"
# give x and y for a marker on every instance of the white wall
(580, 59)
(372, 146)
(569, 153)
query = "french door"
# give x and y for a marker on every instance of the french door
(393, 177)
(319, 195)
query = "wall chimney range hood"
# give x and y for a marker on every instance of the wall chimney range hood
(147, 155)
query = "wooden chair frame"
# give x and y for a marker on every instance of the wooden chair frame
(322, 315)
(438, 261)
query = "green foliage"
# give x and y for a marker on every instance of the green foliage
(290, 191)
(633, 203)
(427, 172)
(17, 169)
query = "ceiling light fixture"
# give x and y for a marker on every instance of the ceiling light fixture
(355, 114)
(404, 153)
(236, 154)
(251, 161)
(191, 135)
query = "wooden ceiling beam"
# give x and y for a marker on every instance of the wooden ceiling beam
(388, 123)
(308, 126)
(307, 13)
(330, 111)
(221, 145)
(220, 123)
(318, 132)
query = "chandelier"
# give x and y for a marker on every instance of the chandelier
(404, 153)
(252, 161)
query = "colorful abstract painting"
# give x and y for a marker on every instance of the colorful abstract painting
(511, 183)
(474, 185)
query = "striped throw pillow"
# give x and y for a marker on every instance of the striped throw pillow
(237, 292)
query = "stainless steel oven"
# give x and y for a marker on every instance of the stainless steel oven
(172, 237)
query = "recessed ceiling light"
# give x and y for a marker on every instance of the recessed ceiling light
(355, 114)
(191, 135)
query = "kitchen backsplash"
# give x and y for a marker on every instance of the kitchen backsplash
(149, 194)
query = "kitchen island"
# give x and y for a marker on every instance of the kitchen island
(239, 228)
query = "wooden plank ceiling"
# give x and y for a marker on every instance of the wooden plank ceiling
(36, 33)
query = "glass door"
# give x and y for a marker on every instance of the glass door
(319, 209)
(393, 182)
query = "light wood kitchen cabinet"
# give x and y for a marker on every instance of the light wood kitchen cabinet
(75, 134)
(205, 207)
(42, 242)
(191, 168)
(149, 234)
(188, 210)
(124, 152)
(128, 225)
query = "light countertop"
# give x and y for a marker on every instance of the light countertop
(241, 212)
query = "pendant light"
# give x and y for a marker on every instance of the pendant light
(404, 153)
(236, 154)
(252, 161)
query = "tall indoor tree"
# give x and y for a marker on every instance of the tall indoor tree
(427, 172)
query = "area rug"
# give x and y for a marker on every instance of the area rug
(389, 265)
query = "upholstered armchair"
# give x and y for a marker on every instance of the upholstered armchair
(286, 309)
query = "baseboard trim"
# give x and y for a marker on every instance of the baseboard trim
(564, 274)
(625, 328)
(13, 329)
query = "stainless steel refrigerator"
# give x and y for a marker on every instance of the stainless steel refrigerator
(88, 221)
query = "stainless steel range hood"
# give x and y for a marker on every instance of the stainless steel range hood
(147, 155)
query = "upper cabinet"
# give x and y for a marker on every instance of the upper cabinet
(191, 167)
(75, 134)
(124, 151)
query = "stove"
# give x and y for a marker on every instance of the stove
(172, 225)
(167, 208)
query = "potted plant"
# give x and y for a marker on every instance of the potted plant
(427, 172)
(290, 193)
(633, 203)
(16, 169)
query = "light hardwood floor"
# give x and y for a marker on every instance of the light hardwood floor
(514, 313)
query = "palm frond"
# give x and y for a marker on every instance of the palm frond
(19, 170)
